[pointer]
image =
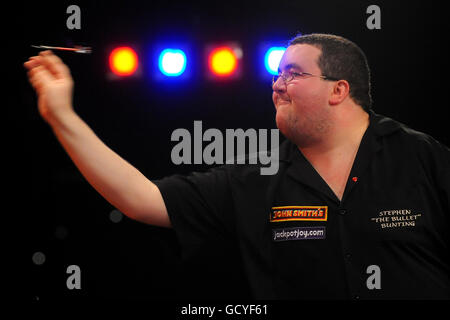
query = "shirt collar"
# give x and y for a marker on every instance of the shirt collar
(382, 125)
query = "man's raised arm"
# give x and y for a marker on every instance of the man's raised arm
(115, 179)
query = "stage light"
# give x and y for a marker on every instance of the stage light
(272, 59)
(172, 62)
(223, 61)
(123, 61)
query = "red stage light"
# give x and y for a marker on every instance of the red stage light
(123, 61)
(223, 61)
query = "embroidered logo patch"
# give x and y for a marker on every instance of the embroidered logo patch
(299, 213)
(395, 219)
(305, 233)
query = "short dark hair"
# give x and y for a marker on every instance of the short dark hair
(342, 59)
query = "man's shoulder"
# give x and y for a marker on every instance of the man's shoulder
(398, 131)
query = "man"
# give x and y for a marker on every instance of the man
(358, 209)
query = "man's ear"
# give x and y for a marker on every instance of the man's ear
(341, 89)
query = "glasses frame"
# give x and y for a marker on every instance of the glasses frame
(291, 75)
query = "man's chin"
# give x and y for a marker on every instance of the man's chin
(288, 130)
(281, 124)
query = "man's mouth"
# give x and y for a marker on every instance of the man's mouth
(281, 102)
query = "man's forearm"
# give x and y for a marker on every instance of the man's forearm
(115, 179)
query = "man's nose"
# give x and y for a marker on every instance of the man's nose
(279, 85)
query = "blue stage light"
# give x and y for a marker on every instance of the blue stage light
(272, 59)
(172, 62)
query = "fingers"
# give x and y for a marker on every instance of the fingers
(45, 68)
(54, 64)
(38, 73)
(39, 76)
(51, 62)
(32, 63)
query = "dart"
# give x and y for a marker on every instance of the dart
(76, 49)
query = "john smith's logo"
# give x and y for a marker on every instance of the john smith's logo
(299, 213)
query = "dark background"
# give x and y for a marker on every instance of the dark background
(70, 223)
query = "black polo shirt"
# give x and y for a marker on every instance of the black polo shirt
(389, 237)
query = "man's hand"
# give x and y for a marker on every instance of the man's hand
(51, 79)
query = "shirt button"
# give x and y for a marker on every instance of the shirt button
(348, 255)
(342, 211)
(356, 297)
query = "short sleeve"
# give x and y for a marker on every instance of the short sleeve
(202, 213)
(435, 158)
(443, 175)
(200, 208)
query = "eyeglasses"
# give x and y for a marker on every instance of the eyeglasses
(289, 76)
